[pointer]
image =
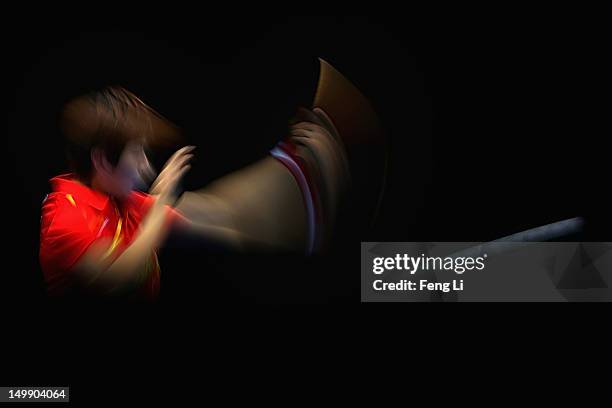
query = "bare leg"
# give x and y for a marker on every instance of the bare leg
(286, 202)
(261, 202)
(289, 201)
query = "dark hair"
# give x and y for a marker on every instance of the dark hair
(109, 119)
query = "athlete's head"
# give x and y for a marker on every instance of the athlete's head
(108, 132)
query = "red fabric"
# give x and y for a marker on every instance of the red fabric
(289, 147)
(74, 217)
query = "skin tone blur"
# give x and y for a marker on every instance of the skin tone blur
(210, 220)
(134, 171)
(128, 270)
(257, 208)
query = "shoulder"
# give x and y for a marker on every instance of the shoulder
(61, 211)
(57, 201)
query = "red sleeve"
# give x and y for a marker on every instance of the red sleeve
(174, 218)
(64, 238)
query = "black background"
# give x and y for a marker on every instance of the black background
(490, 131)
(494, 125)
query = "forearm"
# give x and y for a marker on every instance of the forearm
(128, 269)
(130, 265)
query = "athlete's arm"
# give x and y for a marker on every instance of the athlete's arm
(99, 269)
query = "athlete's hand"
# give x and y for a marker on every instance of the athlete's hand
(164, 187)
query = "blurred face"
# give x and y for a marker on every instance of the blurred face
(133, 171)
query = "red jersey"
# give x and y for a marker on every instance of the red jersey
(75, 216)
